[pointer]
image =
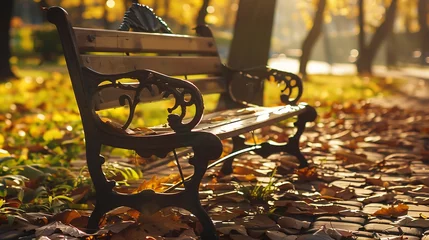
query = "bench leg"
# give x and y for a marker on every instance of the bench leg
(94, 162)
(237, 144)
(207, 147)
(292, 146)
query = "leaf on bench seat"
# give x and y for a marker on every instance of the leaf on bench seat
(239, 112)
(117, 127)
(214, 119)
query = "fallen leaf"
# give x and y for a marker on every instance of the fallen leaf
(51, 228)
(382, 197)
(67, 216)
(228, 228)
(409, 221)
(392, 211)
(352, 213)
(306, 174)
(288, 222)
(276, 235)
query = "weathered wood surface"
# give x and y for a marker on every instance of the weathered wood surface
(170, 65)
(98, 40)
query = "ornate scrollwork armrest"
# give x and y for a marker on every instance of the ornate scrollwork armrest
(184, 92)
(291, 86)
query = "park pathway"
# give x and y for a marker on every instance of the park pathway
(370, 176)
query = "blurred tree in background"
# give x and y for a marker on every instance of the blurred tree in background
(5, 19)
(362, 32)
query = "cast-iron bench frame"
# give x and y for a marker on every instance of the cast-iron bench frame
(88, 72)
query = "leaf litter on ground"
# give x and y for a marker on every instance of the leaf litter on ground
(350, 138)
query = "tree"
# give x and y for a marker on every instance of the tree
(312, 37)
(250, 45)
(424, 30)
(367, 52)
(202, 13)
(5, 18)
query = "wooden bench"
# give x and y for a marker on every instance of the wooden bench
(149, 60)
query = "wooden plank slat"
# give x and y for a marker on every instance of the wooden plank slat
(98, 40)
(239, 123)
(108, 97)
(169, 65)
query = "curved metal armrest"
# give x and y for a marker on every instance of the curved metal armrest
(184, 92)
(290, 84)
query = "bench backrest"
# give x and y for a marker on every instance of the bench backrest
(115, 52)
(192, 57)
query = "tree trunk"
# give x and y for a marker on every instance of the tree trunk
(166, 10)
(105, 17)
(391, 59)
(227, 14)
(250, 46)
(424, 30)
(361, 23)
(367, 53)
(203, 13)
(5, 18)
(311, 38)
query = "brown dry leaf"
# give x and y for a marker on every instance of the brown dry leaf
(67, 216)
(284, 185)
(331, 209)
(257, 222)
(382, 197)
(425, 181)
(393, 211)
(352, 157)
(401, 170)
(340, 234)
(422, 200)
(53, 227)
(245, 178)
(374, 181)
(220, 213)
(290, 203)
(307, 174)
(229, 196)
(346, 194)
(358, 167)
(288, 222)
(352, 213)
(219, 186)
(328, 177)
(161, 223)
(214, 119)
(79, 193)
(157, 184)
(409, 221)
(328, 191)
(242, 169)
(228, 227)
(118, 226)
(276, 235)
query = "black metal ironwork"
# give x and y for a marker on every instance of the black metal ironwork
(291, 87)
(141, 18)
(184, 93)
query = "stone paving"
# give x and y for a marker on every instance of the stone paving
(384, 165)
(366, 157)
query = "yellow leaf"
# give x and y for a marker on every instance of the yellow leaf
(53, 134)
